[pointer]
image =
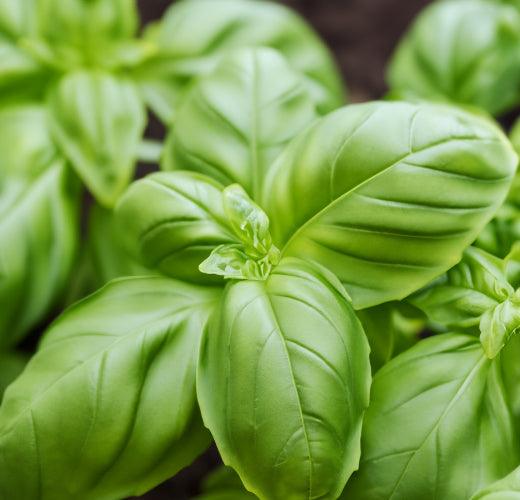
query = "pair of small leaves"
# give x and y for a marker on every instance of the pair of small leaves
(475, 295)
(467, 52)
(193, 36)
(448, 398)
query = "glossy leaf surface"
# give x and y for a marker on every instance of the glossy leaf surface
(236, 121)
(388, 195)
(194, 35)
(173, 221)
(465, 52)
(107, 407)
(284, 367)
(98, 120)
(438, 425)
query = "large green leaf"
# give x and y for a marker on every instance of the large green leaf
(38, 221)
(283, 382)
(107, 407)
(194, 34)
(507, 488)
(172, 222)
(438, 425)
(236, 121)
(98, 120)
(466, 52)
(388, 195)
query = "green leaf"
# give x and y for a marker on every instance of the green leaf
(256, 255)
(509, 357)
(388, 194)
(466, 52)
(283, 382)
(107, 407)
(194, 34)
(17, 18)
(438, 425)
(224, 484)
(98, 121)
(497, 325)
(378, 327)
(460, 298)
(21, 78)
(237, 120)
(82, 31)
(173, 221)
(11, 365)
(507, 488)
(39, 222)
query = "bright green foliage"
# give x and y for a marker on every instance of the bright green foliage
(236, 121)
(438, 425)
(291, 381)
(224, 484)
(38, 221)
(11, 365)
(475, 295)
(97, 121)
(388, 195)
(173, 221)
(194, 34)
(467, 52)
(255, 256)
(507, 488)
(113, 387)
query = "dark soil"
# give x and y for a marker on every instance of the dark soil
(362, 35)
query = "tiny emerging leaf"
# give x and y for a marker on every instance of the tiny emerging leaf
(256, 255)
(497, 325)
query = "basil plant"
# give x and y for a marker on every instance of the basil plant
(76, 80)
(463, 51)
(268, 229)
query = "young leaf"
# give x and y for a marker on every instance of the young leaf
(98, 120)
(256, 255)
(193, 36)
(283, 382)
(497, 325)
(173, 221)
(107, 407)
(465, 52)
(237, 120)
(431, 408)
(460, 298)
(388, 194)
